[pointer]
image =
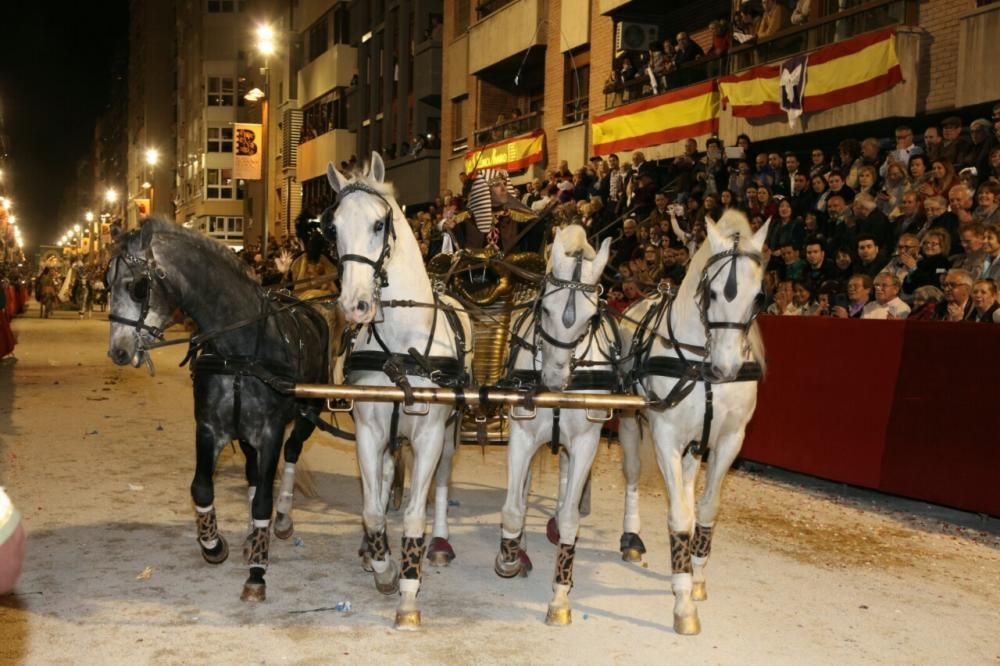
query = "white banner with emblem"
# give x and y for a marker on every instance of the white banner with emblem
(248, 150)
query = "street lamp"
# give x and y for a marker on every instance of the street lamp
(152, 157)
(266, 46)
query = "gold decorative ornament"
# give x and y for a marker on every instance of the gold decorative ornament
(559, 616)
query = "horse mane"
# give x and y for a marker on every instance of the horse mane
(731, 223)
(386, 189)
(574, 239)
(162, 227)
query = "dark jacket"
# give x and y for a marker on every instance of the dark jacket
(927, 272)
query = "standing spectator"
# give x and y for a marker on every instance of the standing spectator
(774, 20)
(983, 141)
(887, 303)
(957, 303)
(984, 302)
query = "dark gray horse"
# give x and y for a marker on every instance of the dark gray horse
(250, 348)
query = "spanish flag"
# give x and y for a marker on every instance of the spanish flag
(840, 74)
(512, 154)
(673, 116)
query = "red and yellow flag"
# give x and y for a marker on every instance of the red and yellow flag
(510, 154)
(675, 115)
(840, 74)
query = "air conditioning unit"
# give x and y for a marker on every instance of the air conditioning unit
(630, 36)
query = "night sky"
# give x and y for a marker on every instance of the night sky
(55, 80)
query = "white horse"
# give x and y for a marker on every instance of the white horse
(576, 348)
(689, 355)
(381, 262)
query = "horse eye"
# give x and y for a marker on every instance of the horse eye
(379, 225)
(714, 295)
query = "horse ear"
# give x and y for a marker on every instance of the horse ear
(146, 234)
(337, 182)
(557, 247)
(761, 236)
(377, 168)
(601, 260)
(715, 239)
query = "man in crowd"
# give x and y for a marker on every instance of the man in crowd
(906, 257)
(973, 253)
(625, 246)
(933, 143)
(871, 220)
(954, 146)
(887, 303)
(802, 198)
(957, 303)
(818, 269)
(839, 186)
(905, 148)
(781, 184)
(795, 268)
(616, 182)
(991, 260)
(859, 289)
(911, 218)
(870, 260)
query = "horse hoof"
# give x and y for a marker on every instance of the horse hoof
(254, 592)
(408, 620)
(633, 555)
(440, 552)
(520, 567)
(552, 531)
(218, 554)
(559, 616)
(688, 625)
(632, 547)
(366, 564)
(698, 591)
(388, 582)
(283, 526)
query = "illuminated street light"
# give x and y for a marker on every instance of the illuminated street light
(152, 156)
(111, 196)
(76, 228)
(265, 39)
(88, 216)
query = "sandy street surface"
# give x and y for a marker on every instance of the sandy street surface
(99, 459)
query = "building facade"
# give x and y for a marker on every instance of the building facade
(517, 67)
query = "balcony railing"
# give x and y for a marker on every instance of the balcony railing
(620, 92)
(509, 128)
(576, 110)
(487, 7)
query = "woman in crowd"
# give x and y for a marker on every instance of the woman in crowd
(988, 210)
(766, 206)
(726, 200)
(920, 173)
(850, 161)
(891, 194)
(942, 178)
(925, 302)
(750, 198)
(802, 299)
(867, 178)
(984, 302)
(821, 190)
(933, 262)
(817, 165)
(786, 228)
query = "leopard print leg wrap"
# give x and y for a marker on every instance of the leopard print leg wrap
(701, 545)
(412, 553)
(510, 549)
(564, 564)
(680, 552)
(255, 548)
(378, 545)
(208, 528)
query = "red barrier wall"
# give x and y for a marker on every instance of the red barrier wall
(908, 408)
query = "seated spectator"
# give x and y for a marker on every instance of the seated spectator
(859, 288)
(687, 50)
(616, 298)
(871, 155)
(817, 165)
(991, 262)
(982, 142)
(933, 263)
(953, 145)
(905, 258)
(821, 192)
(765, 206)
(786, 229)
(925, 302)
(905, 149)
(816, 226)
(784, 297)
(867, 180)
(795, 268)
(843, 265)
(890, 195)
(920, 176)
(984, 302)
(839, 186)
(825, 296)
(938, 217)
(802, 299)
(961, 204)
(942, 179)
(844, 229)
(870, 259)
(957, 303)
(800, 14)
(988, 210)
(911, 218)
(993, 174)
(973, 251)
(763, 174)
(740, 180)
(871, 220)
(818, 268)
(933, 142)
(849, 151)
(887, 303)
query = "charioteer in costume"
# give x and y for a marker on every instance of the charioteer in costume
(496, 217)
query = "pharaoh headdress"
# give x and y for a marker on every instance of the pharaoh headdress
(481, 202)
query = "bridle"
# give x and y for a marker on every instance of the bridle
(725, 259)
(385, 225)
(569, 312)
(140, 292)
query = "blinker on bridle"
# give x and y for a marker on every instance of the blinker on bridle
(378, 265)
(569, 312)
(139, 291)
(729, 290)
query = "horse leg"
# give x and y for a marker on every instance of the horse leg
(398, 480)
(681, 521)
(552, 526)
(513, 560)
(257, 543)
(371, 459)
(439, 552)
(724, 453)
(631, 545)
(250, 470)
(213, 545)
(283, 525)
(427, 447)
(581, 458)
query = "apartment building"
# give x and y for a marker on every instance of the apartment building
(518, 68)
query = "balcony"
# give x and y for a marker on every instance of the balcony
(334, 68)
(978, 50)
(427, 72)
(509, 30)
(314, 154)
(509, 129)
(416, 179)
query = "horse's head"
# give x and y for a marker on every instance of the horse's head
(363, 224)
(569, 299)
(729, 291)
(139, 307)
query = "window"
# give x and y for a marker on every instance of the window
(221, 6)
(462, 13)
(222, 227)
(220, 140)
(220, 91)
(341, 25)
(219, 184)
(327, 113)
(576, 86)
(318, 37)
